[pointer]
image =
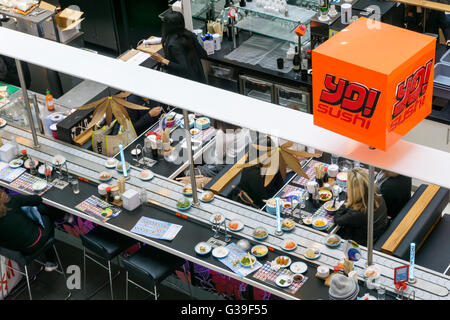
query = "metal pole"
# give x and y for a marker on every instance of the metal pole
(27, 103)
(370, 217)
(190, 157)
(38, 115)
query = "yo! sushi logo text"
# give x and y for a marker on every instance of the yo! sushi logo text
(410, 94)
(357, 102)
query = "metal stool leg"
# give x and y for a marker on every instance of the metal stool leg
(28, 282)
(1, 280)
(84, 269)
(63, 271)
(156, 292)
(126, 285)
(189, 283)
(110, 279)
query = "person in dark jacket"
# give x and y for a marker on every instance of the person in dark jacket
(182, 51)
(9, 74)
(395, 189)
(19, 232)
(352, 216)
(143, 119)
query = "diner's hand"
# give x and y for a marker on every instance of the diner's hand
(157, 57)
(156, 111)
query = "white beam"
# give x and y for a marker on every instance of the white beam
(406, 158)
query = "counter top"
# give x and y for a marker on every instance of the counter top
(163, 194)
(291, 77)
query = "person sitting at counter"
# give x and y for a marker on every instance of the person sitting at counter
(352, 216)
(395, 189)
(143, 119)
(182, 51)
(19, 232)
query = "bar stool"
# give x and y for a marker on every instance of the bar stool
(25, 261)
(151, 266)
(106, 244)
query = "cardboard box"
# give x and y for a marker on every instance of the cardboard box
(68, 23)
(373, 82)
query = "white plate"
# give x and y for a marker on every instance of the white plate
(135, 152)
(298, 267)
(283, 280)
(206, 245)
(58, 160)
(27, 163)
(263, 247)
(284, 243)
(2, 122)
(150, 175)
(39, 185)
(220, 252)
(283, 265)
(239, 228)
(16, 163)
(111, 163)
(211, 218)
(195, 131)
(316, 257)
(104, 173)
(204, 193)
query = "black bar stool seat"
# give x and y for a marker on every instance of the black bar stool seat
(106, 243)
(26, 260)
(151, 266)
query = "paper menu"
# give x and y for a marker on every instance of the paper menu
(9, 174)
(156, 229)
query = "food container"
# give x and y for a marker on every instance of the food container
(54, 131)
(341, 179)
(323, 271)
(328, 207)
(271, 206)
(333, 170)
(102, 189)
(202, 123)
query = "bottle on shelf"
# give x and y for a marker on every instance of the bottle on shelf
(304, 66)
(296, 61)
(49, 101)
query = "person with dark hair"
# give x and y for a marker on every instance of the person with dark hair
(182, 51)
(20, 232)
(143, 119)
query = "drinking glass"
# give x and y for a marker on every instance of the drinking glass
(334, 159)
(75, 186)
(381, 291)
(143, 196)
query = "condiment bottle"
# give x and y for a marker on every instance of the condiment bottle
(159, 144)
(49, 101)
(109, 196)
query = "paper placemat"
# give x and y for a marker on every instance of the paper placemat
(233, 258)
(310, 172)
(9, 174)
(156, 229)
(268, 275)
(95, 206)
(26, 181)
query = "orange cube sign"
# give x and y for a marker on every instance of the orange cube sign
(373, 82)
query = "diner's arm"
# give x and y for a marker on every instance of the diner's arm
(348, 217)
(26, 200)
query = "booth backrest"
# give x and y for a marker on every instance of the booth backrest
(414, 222)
